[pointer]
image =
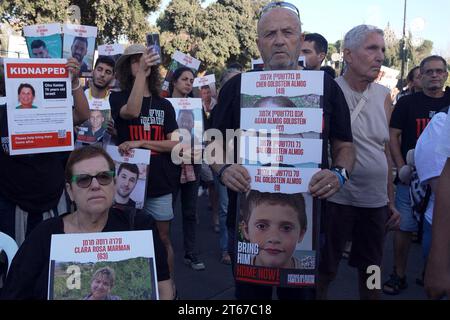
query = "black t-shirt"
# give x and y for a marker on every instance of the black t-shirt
(28, 276)
(34, 182)
(153, 124)
(412, 113)
(336, 120)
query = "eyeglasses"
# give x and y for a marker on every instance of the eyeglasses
(280, 4)
(84, 180)
(430, 72)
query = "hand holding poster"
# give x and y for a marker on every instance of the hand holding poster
(79, 43)
(123, 261)
(131, 177)
(44, 40)
(281, 149)
(39, 106)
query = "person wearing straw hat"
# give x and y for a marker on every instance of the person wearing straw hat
(143, 119)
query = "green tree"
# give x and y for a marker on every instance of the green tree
(113, 18)
(223, 31)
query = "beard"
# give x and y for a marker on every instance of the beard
(100, 87)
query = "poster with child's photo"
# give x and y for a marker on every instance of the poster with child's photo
(275, 239)
(131, 177)
(79, 43)
(103, 266)
(281, 149)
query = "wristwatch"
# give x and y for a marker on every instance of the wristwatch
(220, 173)
(342, 174)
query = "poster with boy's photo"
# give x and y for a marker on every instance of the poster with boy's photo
(103, 266)
(205, 88)
(281, 148)
(44, 41)
(179, 59)
(131, 177)
(79, 43)
(275, 239)
(39, 106)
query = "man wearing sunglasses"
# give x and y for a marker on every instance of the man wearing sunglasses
(411, 115)
(279, 41)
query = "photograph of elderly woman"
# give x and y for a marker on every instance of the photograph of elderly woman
(114, 280)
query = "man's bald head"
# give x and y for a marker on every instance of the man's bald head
(279, 38)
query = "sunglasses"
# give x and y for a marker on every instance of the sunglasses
(280, 4)
(84, 180)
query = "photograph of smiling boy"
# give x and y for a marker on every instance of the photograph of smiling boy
(276, 222)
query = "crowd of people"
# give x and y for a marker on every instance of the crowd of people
(366, 134)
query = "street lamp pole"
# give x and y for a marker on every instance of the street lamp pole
(402, 74)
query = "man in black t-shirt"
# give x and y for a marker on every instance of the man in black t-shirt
(279, 42)
(409, 118)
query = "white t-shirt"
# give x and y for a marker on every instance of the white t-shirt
(443, 146)
(429, 162)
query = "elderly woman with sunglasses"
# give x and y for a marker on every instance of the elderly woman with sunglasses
(90, 185)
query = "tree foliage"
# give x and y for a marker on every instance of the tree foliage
(223, 31)
(113, 18)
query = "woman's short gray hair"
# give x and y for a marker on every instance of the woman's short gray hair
(356, 36)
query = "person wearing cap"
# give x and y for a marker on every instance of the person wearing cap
(143, 119)
(279, 41)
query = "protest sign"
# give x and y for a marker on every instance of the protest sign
(131, 177)
(44, 40)
(281, 148)
(94, 129)
(79, 43)
(205, 88)
(388, 77)
(188, 113)
(77, 260)
(39, 106)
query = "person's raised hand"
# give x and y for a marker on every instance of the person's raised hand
(148, 59)
(73, 66)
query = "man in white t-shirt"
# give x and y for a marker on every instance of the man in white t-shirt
(437, 274)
